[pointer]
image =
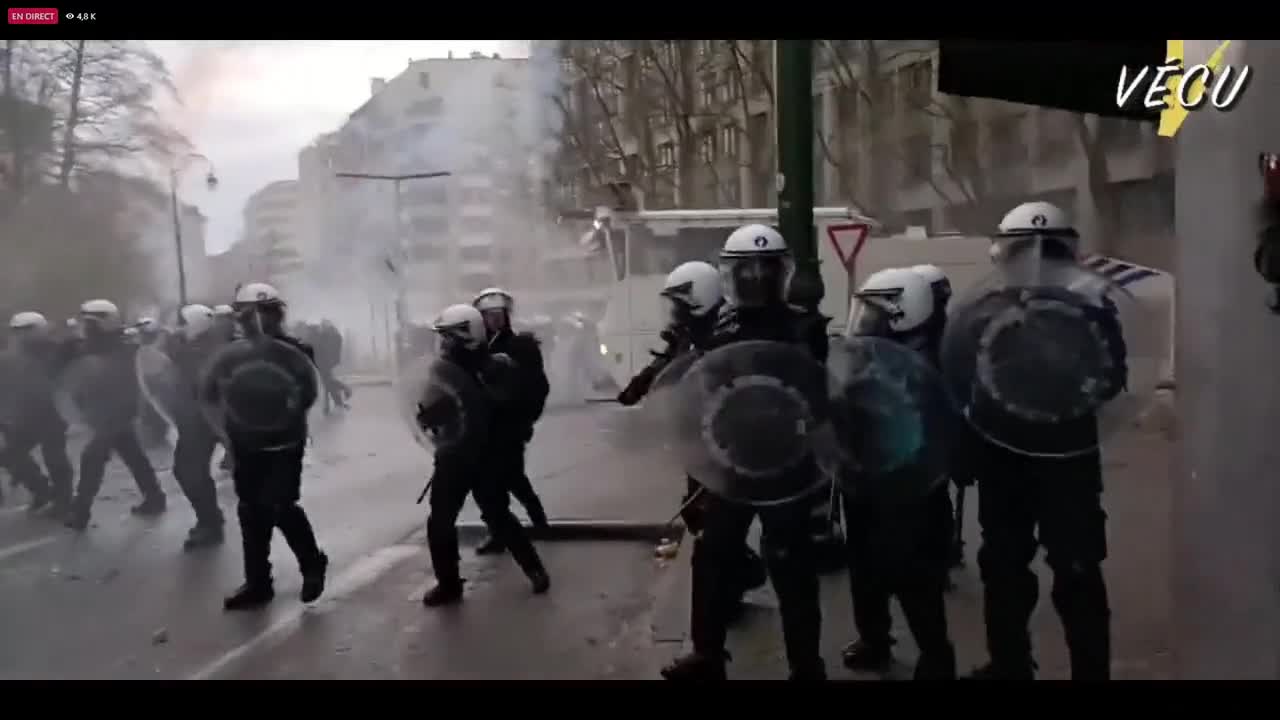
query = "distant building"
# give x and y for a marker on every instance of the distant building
(458, 234)
(270, 239)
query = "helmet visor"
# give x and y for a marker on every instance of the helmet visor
(873, 315)
(756, 281)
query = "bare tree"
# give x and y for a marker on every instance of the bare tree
(111, 90)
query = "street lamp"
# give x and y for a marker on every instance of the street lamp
(401, 311)
(211, 181)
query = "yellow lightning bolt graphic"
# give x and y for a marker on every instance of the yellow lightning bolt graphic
(1174, 114)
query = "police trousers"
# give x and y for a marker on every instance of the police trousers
(1026, 502)
(121, 440)
(453, 480)
(192, 457)
(52, 441)
(787, 546)
(268, 486)
(901, 550)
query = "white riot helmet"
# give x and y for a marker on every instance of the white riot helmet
(938, 281)
(460, 326)
(494, 298)
(223, 311)
(891, 302)
(259, 308)
(1035, 224)
(99, 316)
(29, 320)
(756, 266)
(195, 320)
(693, 288)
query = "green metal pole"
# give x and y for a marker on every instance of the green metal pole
(793, 66)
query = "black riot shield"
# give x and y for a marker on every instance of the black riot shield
(258, 389)
(892, 421)
(162, 385)
(745, 420)
(96, 391)
(1047, 357)
(443, 405)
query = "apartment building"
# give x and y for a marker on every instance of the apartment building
(691, 124)
(454, 235)
(270, 235)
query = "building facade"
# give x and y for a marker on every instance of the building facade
(691, 124)
(270, 236)
(439, 239)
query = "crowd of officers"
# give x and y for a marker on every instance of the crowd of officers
(901, 552)
(893, 550)
(94, 366)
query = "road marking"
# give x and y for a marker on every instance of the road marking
(12, 550)
(363, 573)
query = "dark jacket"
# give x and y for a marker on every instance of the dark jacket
(515, 418)
(779, 323)
(105, 383)
(680, 338)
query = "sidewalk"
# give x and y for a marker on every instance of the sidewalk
(1137, 501)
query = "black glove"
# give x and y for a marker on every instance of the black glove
(637, 388)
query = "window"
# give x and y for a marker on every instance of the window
(424, 80)
(708, 90)
(1008, 147)
(707, 148)
(566, 66)
(475, 225)
(430, 225)
(659, 116)
(667, 155)
(731, 86)
(1119, 134)
(964, 146)
(729, 140)
(917, 159)
(427, 107)
(1057, 135)
(474, 253)
(915, 82)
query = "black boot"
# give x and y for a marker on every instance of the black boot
(202, 536)
(860, 656)
(540, 580)
(938, 664)
(491, 546)
(313, 580)
(695, 668)
(250, 596)
(153, 505)
(443, 593)
(77, 517)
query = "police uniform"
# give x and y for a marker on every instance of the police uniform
(193, 452)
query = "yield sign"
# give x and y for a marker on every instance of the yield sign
(847, 240)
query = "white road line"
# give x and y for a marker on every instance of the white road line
(18, 549)
(363, 573)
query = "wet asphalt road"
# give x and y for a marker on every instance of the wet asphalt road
(123, 600)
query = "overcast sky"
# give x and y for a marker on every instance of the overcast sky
(250, 106)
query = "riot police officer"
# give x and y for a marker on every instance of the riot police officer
(896, 548)
(1030, 499)
(189, 348)
(470, 466)
(513, 429)
(268, 462)
(756, 269)
(694, 299)
(109, 401)
(36, 421)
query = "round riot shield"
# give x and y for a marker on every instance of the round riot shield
(161, 384)
(442, 404)
(892, 421)
(89, 392)
(259, 388)
(745, 419)
(1048, 357)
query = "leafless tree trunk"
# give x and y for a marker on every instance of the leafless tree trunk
(73, 116)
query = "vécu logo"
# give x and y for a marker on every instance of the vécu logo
(1179, 88)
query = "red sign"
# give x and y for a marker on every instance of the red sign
(847, 240)
(33, 16)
